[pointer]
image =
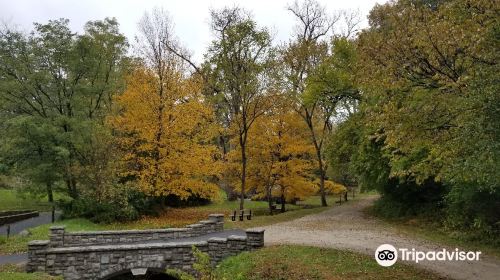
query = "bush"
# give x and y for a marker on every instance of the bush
(119, 204)
(406, 198)
(474, 213)
(99, 212)
(203, 265)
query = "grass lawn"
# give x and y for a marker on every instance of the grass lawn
(433, 233)
(299, 262)
(176, 217)
(13, 272)
(424, 229)
(11, 200)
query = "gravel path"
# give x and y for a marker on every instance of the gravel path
(345, 227)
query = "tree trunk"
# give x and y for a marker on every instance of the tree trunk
(243, 181)
(71, 185)
(282, 203)
(70, 179)
(243, 171)
(269, 200)
(49, 193)
(317, 147)
(321, 179)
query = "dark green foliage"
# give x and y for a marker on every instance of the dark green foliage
(176, 201)
(126, 204)
(37, 150)
(341, 150)
(426, 134)
(401, 198)
(55, 89)
(476, 211)
(360, 158)
(98, 212)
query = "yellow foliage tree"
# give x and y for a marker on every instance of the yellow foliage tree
(280, 156)
(165, 130)
(334, 188)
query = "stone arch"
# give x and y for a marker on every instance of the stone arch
(119, 269)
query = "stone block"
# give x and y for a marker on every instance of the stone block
(105, 259)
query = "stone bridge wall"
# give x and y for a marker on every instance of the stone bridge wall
(60, 238)
(104, 261)
(7, 217)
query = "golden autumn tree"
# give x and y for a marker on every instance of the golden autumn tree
(164, 127)
(167, 138)
(281, 157)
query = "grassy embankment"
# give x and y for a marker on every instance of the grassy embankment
(14, 272)
(429, 229)
(12, 200)
(299, 262)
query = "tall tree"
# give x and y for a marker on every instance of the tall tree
(237, 65)
(310, 74)
(35, 152)
(164, 127)
(165, 131)
(431, 92)
(281, 158)
(429, 73)
(62, 80)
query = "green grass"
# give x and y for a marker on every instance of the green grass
(300, 262)
(14, 272)
(12, 200)
(264, 220)
(316, 200)
(429, 230)
(423, 230)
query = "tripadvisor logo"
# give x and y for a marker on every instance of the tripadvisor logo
(387, 255)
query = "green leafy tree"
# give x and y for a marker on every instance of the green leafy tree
(32, 149)
(238, 73)
(428, 71)
(314, 77)
(64, 82)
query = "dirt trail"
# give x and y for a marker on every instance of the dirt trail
(345, 227)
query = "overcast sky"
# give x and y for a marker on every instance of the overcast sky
(190, 17)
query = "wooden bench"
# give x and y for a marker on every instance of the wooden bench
(242, 214)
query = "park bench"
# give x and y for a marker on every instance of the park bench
(242, 214)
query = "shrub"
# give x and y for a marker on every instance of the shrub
(203, 265)
(474, 213)
(406, 198)
(119, 203)
(99, 212)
